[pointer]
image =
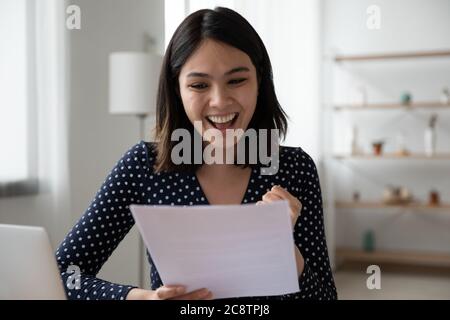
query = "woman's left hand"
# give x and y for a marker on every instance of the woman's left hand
(278, 193)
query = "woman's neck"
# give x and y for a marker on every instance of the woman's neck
(220, 171)
(225, 171)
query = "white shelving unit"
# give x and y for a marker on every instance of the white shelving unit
(401, 257)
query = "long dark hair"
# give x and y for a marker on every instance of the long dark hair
(229, 27)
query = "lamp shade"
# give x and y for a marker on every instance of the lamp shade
(133, 82)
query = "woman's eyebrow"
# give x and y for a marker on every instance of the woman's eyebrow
(238, 69)
(205, 75)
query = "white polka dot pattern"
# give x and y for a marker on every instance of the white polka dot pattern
(132, 181)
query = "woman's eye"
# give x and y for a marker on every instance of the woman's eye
(237, 81)
(198, 86)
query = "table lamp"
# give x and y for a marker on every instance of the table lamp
(133, 84)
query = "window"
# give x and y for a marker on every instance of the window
(17, 119)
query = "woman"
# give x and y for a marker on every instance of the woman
(216, 75)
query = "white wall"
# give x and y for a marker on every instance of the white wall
(405, 26)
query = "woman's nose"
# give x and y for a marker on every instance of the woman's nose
(220, 98)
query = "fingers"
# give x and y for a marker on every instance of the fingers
(179, 293)
(168, 292)
(277, 193)
(271, 197)
(282, 193)
(200, 294)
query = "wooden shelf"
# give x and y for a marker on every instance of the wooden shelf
(380, 205)
(393, 156)
(392, 106)
(390, 56)
(394, 257)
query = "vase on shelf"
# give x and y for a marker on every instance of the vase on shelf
(445, 96)
(433, 198)
(430, 137)
(430, 142)
(377, 147)
(354, 146)
(369, 241)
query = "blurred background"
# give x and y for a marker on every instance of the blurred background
(366, 85)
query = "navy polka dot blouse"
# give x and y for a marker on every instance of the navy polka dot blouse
(108, 219)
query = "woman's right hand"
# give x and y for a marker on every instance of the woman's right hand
(169, 293)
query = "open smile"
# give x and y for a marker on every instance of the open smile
(223, 122)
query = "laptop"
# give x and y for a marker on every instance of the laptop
(28, 269)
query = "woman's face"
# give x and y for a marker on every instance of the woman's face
(219, 87)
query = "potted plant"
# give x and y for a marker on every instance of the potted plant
(378, 147)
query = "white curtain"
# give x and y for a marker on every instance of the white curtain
(13, 93)
(290, 31)
(52, 109)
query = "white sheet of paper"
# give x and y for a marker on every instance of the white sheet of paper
(232, 250)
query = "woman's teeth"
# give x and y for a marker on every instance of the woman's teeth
(222, 119)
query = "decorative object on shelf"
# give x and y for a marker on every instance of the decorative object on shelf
(355, 149)
(405, 195)
(356, 196)
(430, 136)
(391, 195)
(445, 96)
(401, 148)
(377, 147)
(406, 98)
(369, 241)
(434, 198)
(396, 195)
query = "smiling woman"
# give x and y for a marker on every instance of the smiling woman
(212, 75)
(216, 75)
